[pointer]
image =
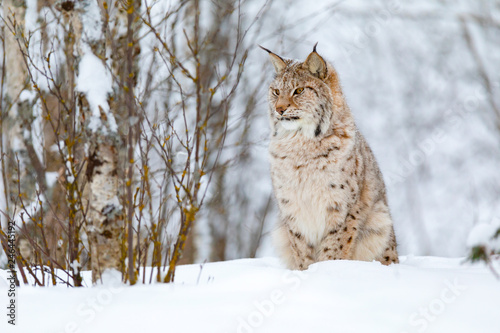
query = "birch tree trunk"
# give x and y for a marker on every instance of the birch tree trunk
(106, 224)
(105, 215)
(16, 81)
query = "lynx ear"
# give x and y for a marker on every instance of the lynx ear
(278, 63)
(316, 65)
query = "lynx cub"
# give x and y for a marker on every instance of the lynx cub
(329, 189)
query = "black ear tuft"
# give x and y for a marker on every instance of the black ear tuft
(314, 48)
(262, 47)
(278, 62)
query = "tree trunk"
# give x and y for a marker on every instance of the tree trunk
(16, 81)
(105, 217)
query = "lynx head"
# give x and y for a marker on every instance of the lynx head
(303, 95)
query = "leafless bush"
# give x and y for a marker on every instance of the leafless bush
(119, 181)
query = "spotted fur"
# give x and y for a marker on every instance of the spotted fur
(329, 189)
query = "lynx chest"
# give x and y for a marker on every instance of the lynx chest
(313, 185)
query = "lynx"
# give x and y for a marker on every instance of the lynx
(329, 189)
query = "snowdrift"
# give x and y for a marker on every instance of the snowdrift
(421, 294)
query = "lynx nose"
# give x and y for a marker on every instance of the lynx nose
(281, 109)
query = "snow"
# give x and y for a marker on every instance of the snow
(31, 15)
(94, 78)
(95, 81)
(421, 294)
(482, 234)
(75, 265)
(51, 177)
(90, 15)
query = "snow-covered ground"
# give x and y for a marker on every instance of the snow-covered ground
(421, 294)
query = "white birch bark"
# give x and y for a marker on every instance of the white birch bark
(105, 216)
(15, 83)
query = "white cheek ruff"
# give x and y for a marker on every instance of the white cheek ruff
(306, 126)
(291, 125)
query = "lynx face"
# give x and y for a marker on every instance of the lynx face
(299, 98)
(298, 101)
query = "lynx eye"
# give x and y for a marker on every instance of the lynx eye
(298, 91)
(276, 92)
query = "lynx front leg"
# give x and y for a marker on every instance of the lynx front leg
(339, 241)
(293, 248)
(390, 254)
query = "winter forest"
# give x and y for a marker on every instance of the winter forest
(134, 164)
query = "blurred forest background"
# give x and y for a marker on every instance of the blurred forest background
(142, 126)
